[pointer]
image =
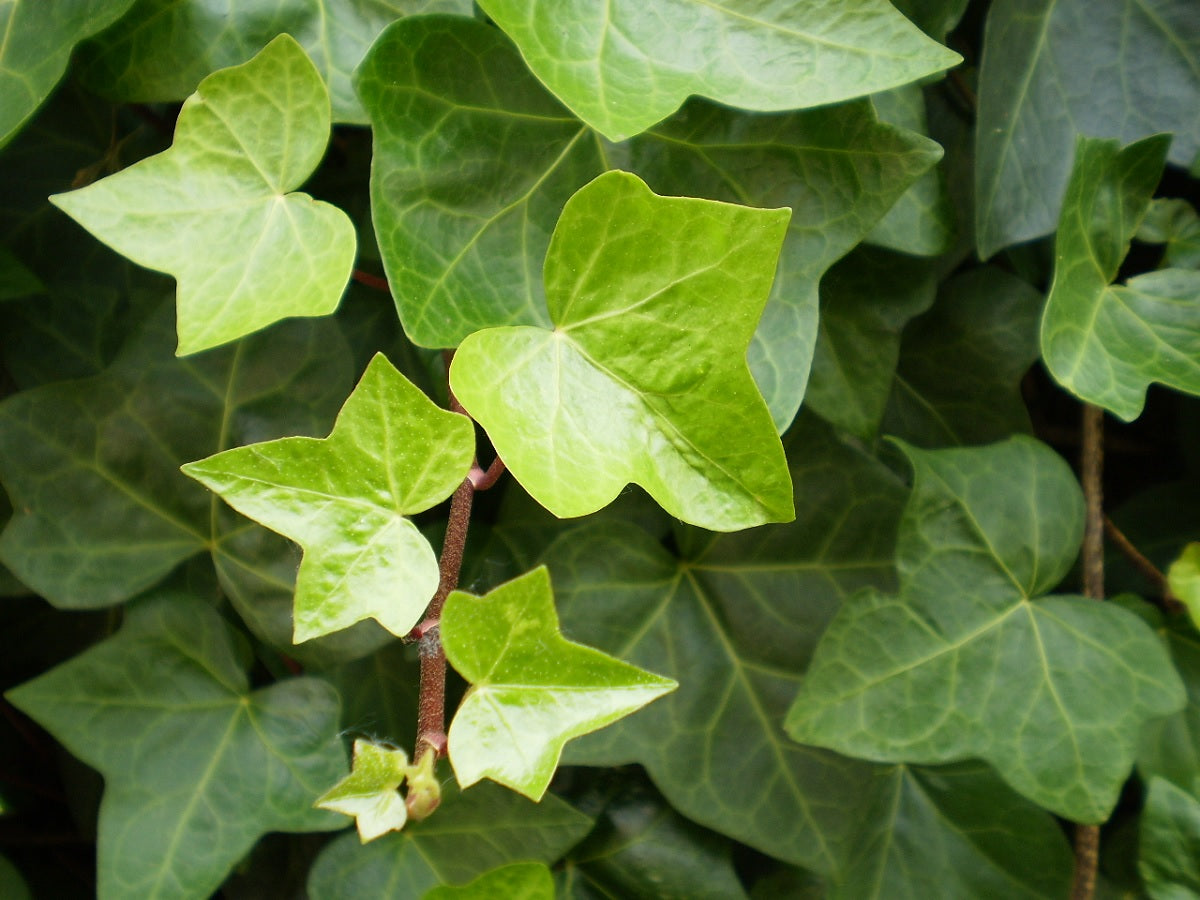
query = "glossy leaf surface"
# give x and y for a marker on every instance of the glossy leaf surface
(1106, 343)
(218, 211)
(1049, 73)
(943, 671)
(346, 499)
(518, 881)
(621, 67)
(531, 689)
(471, 833)
(370, 792)
(37, 42)
(196, 766)
(634, 384)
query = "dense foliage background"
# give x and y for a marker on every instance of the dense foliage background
(946, 229)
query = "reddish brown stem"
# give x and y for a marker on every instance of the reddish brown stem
(1148, 570)
(1087, 837)
(485, 480)
(371, 281)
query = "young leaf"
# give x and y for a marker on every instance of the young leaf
(1053, 69)
(346, 498)
(216, 209)
(1105, 343)
(1169, 852)
(516, 881)
(635, 384)
(472, 833)
(531, 689)
(197, 767)
(1184, 579)
(963, 663)
(370, 793)
(621, 66)
(37, 42)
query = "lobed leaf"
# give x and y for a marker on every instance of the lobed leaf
(621, 65)
(634, 384)
(217, 210)
(516, 881)
(370, 792)
(942, 671)
(531, 689)
(346, 498)
(197, 767)
(1105, 343)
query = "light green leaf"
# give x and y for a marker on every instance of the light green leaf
(452, 96)
(196, 766)
(961, 364)
(963, 663)
(370, 792)
(623, 66)
(163, 48)
(346, 498)
(217, 212)
(516, 881)
(36, 40)
(1107, 344)
(1184, 579)
(1053, 69)
(531, 689)
(1169, 829)
(472, 832)
(635, 384)
(734, 620)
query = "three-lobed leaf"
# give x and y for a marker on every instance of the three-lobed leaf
(217, 210)
(967, 661)
(643, 378)
(346, 499)
(197, 766)
(621, 65)
(1107, 343)
(531, 690)
(370, 793)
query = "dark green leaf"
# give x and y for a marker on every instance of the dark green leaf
(576, 412)
(1170, 746)
(1053, 69)
(471, 833)
(196, 766)
(1174, 223)
(963, 663)
(531, 690)
(1169, 861)
(621, 67)
(12, 885)
(517, 881)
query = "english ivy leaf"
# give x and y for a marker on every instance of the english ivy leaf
(217, 210)
(1184, 579)
(15, 279)
(1173, 222)
(346, 499)
(577, 413)
(1053, 69)
(164, 48)
(734, 621)
(1170, 746)
(12, 885)
(1105, 343)
(621, 67)
(1169, 857)
(943, 670)
(531, 689)
(196, 766)
(448, 96)
(516, 881)
(37, 45)
(370, 792)
(471, 833)
(961, 364)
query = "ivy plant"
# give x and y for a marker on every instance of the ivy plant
(562, 449)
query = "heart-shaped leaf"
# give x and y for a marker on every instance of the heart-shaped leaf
(963, 663)
(197, 767)
(532, 690)
(1107, 343)
(635, 384)
(37, 42)
(215, 210)
(621, 66)
(346, 498)
(370, 793)
(1050, 72)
